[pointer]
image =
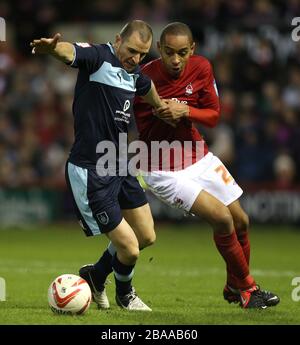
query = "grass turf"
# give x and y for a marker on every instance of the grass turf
(181, 277)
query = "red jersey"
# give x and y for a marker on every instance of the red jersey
(196, 87)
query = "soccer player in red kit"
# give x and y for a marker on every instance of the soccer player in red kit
(200, 183)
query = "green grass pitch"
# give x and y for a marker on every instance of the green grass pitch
(181, 277)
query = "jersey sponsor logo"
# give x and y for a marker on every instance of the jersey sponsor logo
(103, 218)
(189, 89)
(83, 44)
(122, 114)
(178, 100)
(126, 105)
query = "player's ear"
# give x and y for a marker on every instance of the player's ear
(118, 40)
(193, 48)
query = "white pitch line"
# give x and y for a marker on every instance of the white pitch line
(38, 267)
(218, 271)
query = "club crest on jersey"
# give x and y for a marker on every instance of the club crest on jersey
(189, 89)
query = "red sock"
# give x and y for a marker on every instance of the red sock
(232, 252)
(232, 281)
(243, 238)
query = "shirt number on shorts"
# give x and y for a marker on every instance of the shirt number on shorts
(223, 172)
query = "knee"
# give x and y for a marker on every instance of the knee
(241, 224)
(222, 221)
(134, 254)
(129, 253)
(133, 251)
(148, 240)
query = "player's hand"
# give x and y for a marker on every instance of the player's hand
(172, 112)
(45, 45)
(164, 108)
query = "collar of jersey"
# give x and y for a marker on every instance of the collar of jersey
(111, 48)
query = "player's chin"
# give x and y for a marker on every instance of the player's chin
(129, 67)
(175, 73)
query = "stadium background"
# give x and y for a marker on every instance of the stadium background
(257, 69)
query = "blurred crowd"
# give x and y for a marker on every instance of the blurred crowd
(258, 133)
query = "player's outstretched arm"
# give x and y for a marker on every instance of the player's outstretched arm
(63, 51)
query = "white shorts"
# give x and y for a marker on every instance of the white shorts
(181, 188)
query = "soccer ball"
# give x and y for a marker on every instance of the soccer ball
(69, 294)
